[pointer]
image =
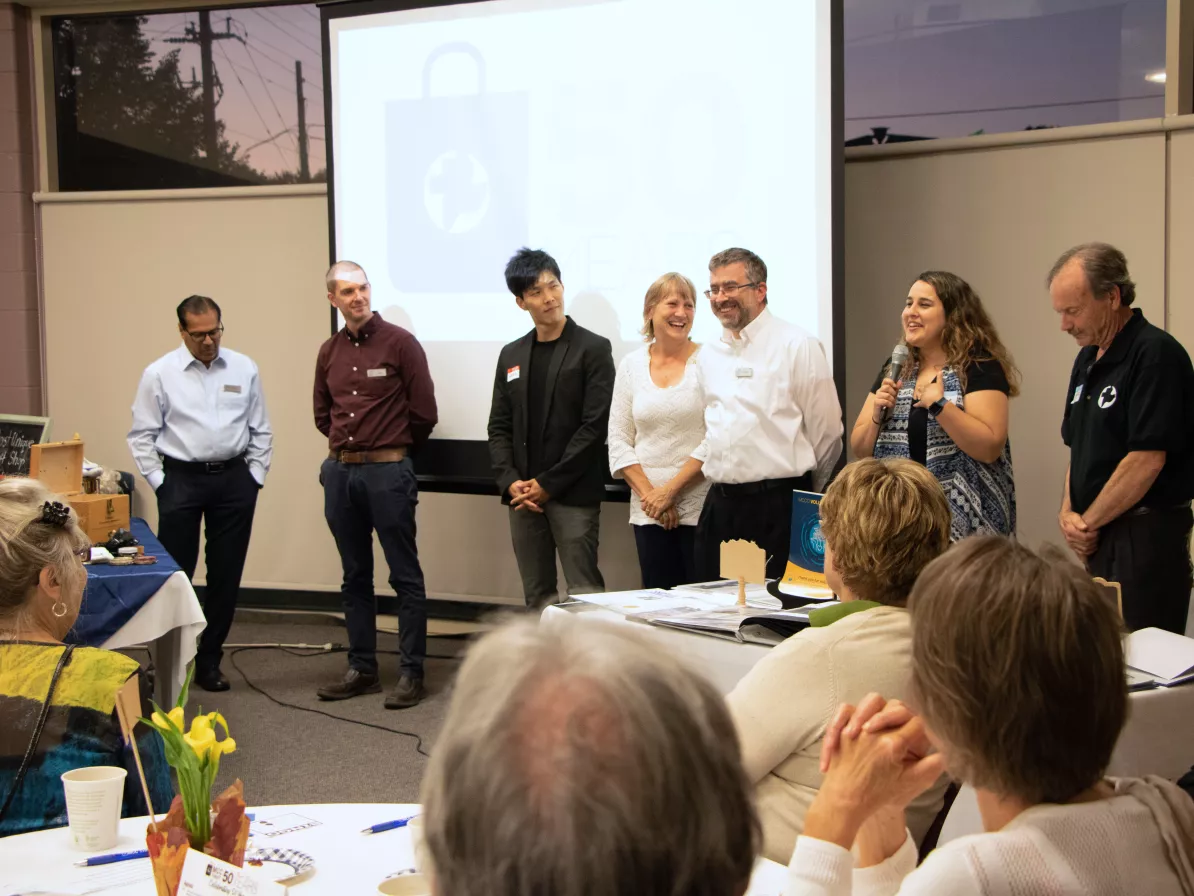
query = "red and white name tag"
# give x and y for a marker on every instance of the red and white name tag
(512, 373)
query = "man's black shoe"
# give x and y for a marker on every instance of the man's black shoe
(354, 683)
(211, 679)
(408, 693)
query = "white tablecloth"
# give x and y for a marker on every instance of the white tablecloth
(722, 661)
(347, 862)
(170, 622)
(1157, 740)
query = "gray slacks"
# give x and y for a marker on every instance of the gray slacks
(570, 530)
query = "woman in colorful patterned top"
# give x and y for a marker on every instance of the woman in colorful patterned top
(57, 704)
(949, 410)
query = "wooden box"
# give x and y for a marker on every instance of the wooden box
(59, 465)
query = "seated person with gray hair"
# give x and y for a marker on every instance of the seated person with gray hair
(1018, 679)
(585, 760)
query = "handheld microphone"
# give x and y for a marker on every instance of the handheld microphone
(899, 357)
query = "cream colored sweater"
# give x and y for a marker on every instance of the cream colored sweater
(784, 704)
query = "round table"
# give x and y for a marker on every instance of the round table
(347, 862)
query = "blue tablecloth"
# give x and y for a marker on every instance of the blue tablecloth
(115, 593)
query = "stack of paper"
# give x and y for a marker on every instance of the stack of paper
(1167, 657)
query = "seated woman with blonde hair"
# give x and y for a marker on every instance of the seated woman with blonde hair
(1018, 678)
(883, 522)
(57, 702)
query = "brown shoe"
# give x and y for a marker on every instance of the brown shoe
(408, 693)
(354, 683)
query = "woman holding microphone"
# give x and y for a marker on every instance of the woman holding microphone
(948, 409)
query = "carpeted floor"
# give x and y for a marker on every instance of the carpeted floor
(287, 755)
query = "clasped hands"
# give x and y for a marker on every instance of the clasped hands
(528, 494)
(658, 505)
(1082, 539)
(876, 758)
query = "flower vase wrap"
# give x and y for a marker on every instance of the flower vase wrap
(218, 828)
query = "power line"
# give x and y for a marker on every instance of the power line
(271, 98)
(249, 96)
(277, 20)
(267, 57)
(318, 53)
(309, 11)
(1112, 99)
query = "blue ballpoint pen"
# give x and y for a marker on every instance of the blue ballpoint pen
(113, 857)
(387, 825)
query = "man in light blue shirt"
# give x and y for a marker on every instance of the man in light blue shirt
(202, 440)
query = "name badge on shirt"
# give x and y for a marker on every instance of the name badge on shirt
(744, 373)
(513, 373)
(228, 387)
(378, 371)
(1077, 394)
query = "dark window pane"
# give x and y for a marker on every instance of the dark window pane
(916, 69)
(189, 99)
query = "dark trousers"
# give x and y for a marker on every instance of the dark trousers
(757, 511)
(1148, 554)
(225, 501)
(667, 557)
(359, 499)
(573, 531)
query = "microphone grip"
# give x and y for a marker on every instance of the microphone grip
(884, 413)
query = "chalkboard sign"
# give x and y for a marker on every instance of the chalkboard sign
(16, 435)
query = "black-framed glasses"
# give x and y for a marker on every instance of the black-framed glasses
(729, 290)
(213, 335)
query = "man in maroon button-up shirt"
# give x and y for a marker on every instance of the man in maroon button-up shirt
(375, 402)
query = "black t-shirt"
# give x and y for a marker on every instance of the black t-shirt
(1138, 397)
(541, 355)
(981, 376)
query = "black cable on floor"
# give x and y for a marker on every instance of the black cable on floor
(319, 712)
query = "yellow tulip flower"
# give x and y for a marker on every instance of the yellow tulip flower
(202, 736)
(175, 715)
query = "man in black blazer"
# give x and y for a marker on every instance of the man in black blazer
(547, 429)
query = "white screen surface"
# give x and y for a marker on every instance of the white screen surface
(627, 139)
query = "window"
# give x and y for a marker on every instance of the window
(951, 68)
(226, 97)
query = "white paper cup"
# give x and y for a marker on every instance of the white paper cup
(93, 799)
(405, 885)
(418, 844)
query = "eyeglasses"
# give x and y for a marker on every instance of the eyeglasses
(729, 290)
(213, 335)
(84, 554)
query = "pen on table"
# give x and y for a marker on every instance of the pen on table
(113, 857)
(387, 825)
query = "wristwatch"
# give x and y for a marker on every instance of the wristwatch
(937, 406)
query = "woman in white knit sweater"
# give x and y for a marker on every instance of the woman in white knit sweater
(657, 435)
(883, 522)
(1018, 673)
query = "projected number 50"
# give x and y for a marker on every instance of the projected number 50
(456, 182)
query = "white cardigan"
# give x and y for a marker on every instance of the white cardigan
(658, 428)
(1140, 841)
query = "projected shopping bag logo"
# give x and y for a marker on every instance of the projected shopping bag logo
(456, 183)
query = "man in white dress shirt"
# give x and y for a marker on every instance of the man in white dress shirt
(202, 440)
(773, 421)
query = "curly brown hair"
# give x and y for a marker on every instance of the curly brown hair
(969, 333)
(884, 520)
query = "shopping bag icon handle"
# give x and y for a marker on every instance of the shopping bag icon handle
(450, 49)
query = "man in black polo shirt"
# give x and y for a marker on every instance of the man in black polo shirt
(1129, 425)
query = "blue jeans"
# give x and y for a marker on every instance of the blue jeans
(357, 500)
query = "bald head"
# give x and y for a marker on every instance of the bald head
(563, 745)
(348, 271)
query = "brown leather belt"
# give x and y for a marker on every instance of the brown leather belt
(380, 456)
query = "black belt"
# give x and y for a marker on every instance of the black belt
(202, 466)
(1141, 511)
(739, 489)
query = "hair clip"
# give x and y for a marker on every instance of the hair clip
(55, 513)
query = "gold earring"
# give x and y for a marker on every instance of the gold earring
(59, 609)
